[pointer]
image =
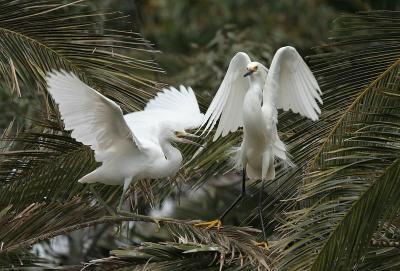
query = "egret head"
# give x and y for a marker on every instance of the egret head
(255, 69)
(171, 131)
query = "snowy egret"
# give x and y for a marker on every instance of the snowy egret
(249, 97)
(132, 146)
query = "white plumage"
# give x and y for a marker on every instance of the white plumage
(132, 146)
(252, 102)
(292, 84)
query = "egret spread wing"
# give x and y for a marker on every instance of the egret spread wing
(94, 119)
(227, 104)
(177, 108)
(292, 85)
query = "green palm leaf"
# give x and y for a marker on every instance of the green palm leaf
(193, 248)
(49, 35)
(354, 160)
(43, 162)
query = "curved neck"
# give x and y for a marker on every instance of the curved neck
(171, 153)
(256, 83)
(173, 157)
(255, 93)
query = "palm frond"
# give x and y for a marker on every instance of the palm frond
(36, 167)
(21, 259)
(40, 221)
(42, 163)
(166, 256)
(353, 150)
(36, 38)
(193, 248)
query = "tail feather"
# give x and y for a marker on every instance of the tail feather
(100, 175)
(275, 156)
(88, 178)
(281, 154)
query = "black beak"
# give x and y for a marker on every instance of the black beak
(247, 73)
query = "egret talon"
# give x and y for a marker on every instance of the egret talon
(263, 245)
(210, 224)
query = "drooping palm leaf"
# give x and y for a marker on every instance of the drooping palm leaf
(194, 248)
(166, 256)
(36, 38)
(43, 162)
(353, 151)
(21, 259)
(40, 221)
(234, 245)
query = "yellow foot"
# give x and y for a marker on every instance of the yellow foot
(263, 245)
(210, 224)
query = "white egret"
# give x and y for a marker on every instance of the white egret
(249, 97)
(132, 146)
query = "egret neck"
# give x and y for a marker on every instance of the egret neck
(173, 158)
(252, 113)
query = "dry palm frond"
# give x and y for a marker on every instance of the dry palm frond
(193, 248)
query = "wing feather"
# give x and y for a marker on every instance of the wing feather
(177, 108)
(227, 105)
(292, 84)
(94, 119)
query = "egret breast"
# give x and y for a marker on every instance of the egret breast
(253, 121)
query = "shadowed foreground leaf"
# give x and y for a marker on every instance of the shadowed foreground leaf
(193, 248)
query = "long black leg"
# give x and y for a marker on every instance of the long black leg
(260, 201)
(242, 194)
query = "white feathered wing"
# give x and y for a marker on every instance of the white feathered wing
(99, 122)
(94, 119)
(290, 85)
(227, 104)
(177, 108)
